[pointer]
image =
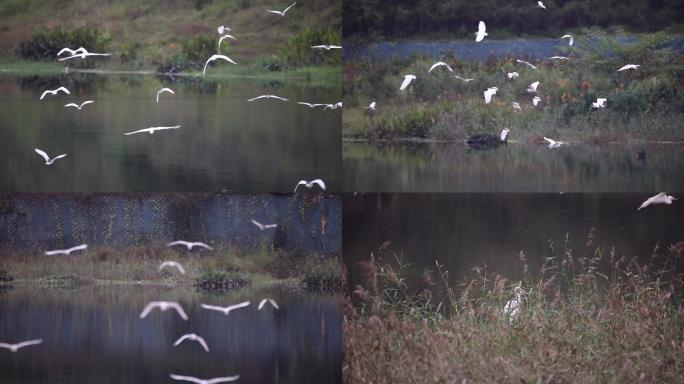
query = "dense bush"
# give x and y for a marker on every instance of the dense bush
(194, 52)
(298, 52)
(45, 43)
(221, 281)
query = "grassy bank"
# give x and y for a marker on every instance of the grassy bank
(594, 317)
(644, 104)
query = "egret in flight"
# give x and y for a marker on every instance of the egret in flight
(463, 78)
(151, 130)
(215, 380)
(54, 92)
(481, 31)
(536, 100)
(282, 13)
(599, 103)
(504, 134)
(629, 66)
(310, 184)
(48, 160)
(163, 306)
(571, 40)
(216, 57)
(67, 251)
(554, 143)
(223, 29)
(226, 310)
(189, 245)
(371, 106)
(192, 337)
(513, 75)
(223, 38)
(169, 90)
(268, 97)
(82, 53)
(540, 5)
(516, 105)
(326, 47)
(79, 106)
(558, 58)
(172, 264)
(72, 52)
(661, 198)
(407, 80)
(310, 105)
(440, 64)
(263, 226)
(270, 301)
(489, 93)
(526, 63)
(15, 347)
(533, 87)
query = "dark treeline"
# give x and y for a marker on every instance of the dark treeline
(380, 19)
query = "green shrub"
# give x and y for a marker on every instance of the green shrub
(47, 42)
(298, 52)
(221, 281)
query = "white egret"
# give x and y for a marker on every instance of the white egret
(504, 134)
(536, 100)
(216, 57)
(481, 31)
(533, 87)
(513, 75)
(82, 53)
(558, 58)
(67, 251)
(489, 93)
(15, 347)
(407, 80)
(270, 301)
(512, 307)
(571, 40)
(282, 13)
(440, 64)
(263, 226)
(599, 103)
(526, 63)
(54, 92)
(223, 38)
(151, 130)
(629, 66)
(192, 337)
(268, 97)
(326, 47)
(516, 105)
(168, 90)
(540, 5)
(554, 143)
(226, 310)
(463, 78)
(163, 306)
(72, 52)
(371, 106)
(333, 106)
(661, 198)
(79, 106)
(48, 160)
(215, 380)
(223, 29)
(310, 184)
(172, 264)
(310, 105)
(189, 245)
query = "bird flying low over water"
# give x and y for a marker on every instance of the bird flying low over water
(192, 337)
(215, 380)
(481, 31)
(282, 13)
(71, 52)
(571, 40)
(216, 57)
(189, 245)
(226, 310)
(489, 93)
(80, 52)
(15, 347)
(333, 106)
(169, 90)
(79, 106)
(172, 264)
(54, 92)
(268, 97)
(48, 160)
(629, 66)
(558, 58)
(599, 103)
(263, 226)
(526, 63)
(310, 105)
(326, 47)
(151, 130)
(407, 80)
(163, 306)
(440, 64)
(554, 143)
(661, 198)
(67, 251)
(371, 106)
(310, 184)
(270, 301)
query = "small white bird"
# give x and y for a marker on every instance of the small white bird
(79, 106)
(48, 160)
(310, 184)
(263, 226)
(215, 380)
(268, 97)
(571, 40)
(599, 103)
(54, 92)
(223, 38)
(192, 337)
(226, 310)
(407, 80)
(536, 100)
(151, 130)
(189, 245)
(481, 31)
(513, 75)
(15, 347)
(282, 13)
(440, 64)
(463, 78)
(533, 87)
(310, 105)
(72, 52)
(504, 134)
(558, 58)
(216, 57)
(629, 66)
(526, 63)
(371, 106)
(67, 251)
(173, 264)
(332, 106)
(512, 307)
(169, 90)
(163, 306)
(554, 143)
(661, 198)
(326, 47)
(270, 301)
(540, 5)
(82, 53)
(223, 29)
(516, 105)
(489, 93)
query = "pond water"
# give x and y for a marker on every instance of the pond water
(225, 143)
(462, 231)
(516, 167)
(94, 335)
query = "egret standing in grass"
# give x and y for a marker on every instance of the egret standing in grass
(533, 87)
(512, 307)
(599, 103)
(661, 198)
(216, 57)
(504, 135)
(536, 100)
(513, 75)
(489, 93)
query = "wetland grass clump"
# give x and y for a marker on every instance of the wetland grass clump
(326, 277)
(593, 317)
(221, 281)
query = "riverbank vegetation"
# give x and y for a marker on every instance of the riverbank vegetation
(588, 315)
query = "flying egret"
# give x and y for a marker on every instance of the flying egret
(407, 80)
(15, 347)
(282, 13)
(526, 63)
(326, 47)
(223, 38)
(226, 310)
(629, 66)
(310, 184)
(82, 53)
(67, 251)
(216, 57)
(72, 52)
(540, 5)
(440, 64)
(169, 90)
(172, 264)
(332, 106)
(558, 58)
(192, 337)
(54, 92)
(536, 100)
(599, 103)
(661, 198)
(270, 301)
(533, 87)
(223, 29)
(512, 307)
(554, 143)
(189, 245)
(571, 40)
(481, 31)
(163, 306)
(463, 78)
(48, 160)
(263, 226)
(513, 75)
(151, 130)
(215, 380)
(268, 97)
(371, 106)
(310, 105)
(489, 93)
(79, 106)
(516, 105)
(504, 134)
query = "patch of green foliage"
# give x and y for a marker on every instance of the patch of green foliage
(298, 52)
(45, 43)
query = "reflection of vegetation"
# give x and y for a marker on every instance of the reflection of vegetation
(221, 281)
(88, 82)
(591, 317)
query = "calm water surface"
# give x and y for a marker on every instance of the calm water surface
(224, 143)
(94, 335)
(516, 167)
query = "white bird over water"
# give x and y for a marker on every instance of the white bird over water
(151, 130)
(79, 106)
(169, 90)
(440, 64)
(554, 143)
(282, 13)
(72, 52)
(48, 160)
(310, 184)
(226, 310)
(270, 301)
(189, 245)
(526, 63)
(263, 226)
(216, 57)
(463, 78)
(326, 47)
(629, 66)
(481, 31)
(371, 106)
(268, 97)
(599, 103)
(504, 134)
(512, 307)
(540, 5)
(15, 347)
(661, 198)
(536, 100)
(489, 93)
(223, 38)
(215, 380)
(54, 92)
(67, 251)
(223, 29)
(571, 40)
(193, 337)
(533, 87)
(172, 264)
(513, 75)
(163, 306)
(407, 80)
